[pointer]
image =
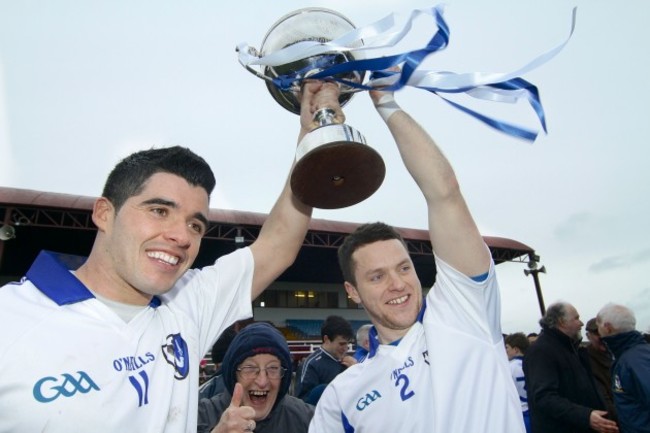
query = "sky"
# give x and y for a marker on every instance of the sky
(83, 84)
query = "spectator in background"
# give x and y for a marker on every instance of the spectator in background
(631, 368)
(532, 337)
(516, 346)
(214, 385)
(257, 369)
(327, 361)
(363, 342)
(562, 394)
(601, 362)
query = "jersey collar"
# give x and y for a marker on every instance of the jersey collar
(51, 274)
(373, 337)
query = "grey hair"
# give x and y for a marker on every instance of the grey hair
(619, 316)
(555, 313)
(363, 331)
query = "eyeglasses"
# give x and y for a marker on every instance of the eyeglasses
(251, 372)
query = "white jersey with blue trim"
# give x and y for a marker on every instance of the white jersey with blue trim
(70, 364)
(517, 372)
(448, 374)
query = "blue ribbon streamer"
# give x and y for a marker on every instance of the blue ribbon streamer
(510, 90)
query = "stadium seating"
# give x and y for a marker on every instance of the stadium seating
(305, 329)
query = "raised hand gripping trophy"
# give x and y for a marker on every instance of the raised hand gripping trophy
(334, 168)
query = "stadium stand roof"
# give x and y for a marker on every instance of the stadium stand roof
(62, 223)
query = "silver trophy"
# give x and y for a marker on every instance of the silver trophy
(335, 168)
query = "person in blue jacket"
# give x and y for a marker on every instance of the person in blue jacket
(631, 367)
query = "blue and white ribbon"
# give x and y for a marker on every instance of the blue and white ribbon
(386, 33)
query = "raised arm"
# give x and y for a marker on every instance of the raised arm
(284, 230)
(453, 232)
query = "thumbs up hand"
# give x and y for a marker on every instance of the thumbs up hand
(236, 418)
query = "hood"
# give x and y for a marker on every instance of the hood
(256, 339)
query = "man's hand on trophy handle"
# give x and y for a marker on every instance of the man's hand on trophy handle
(307, 108)
(385, 101)
(328, 97)
(389, 77)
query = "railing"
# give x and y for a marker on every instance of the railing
(302, 348)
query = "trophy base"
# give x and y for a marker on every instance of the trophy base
(335, 168)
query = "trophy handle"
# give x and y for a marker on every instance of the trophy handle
(325, 116)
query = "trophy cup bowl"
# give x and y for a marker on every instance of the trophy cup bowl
(334, 168)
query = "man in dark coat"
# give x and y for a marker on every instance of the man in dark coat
(562, 394)
(631, 368)
(601, 363)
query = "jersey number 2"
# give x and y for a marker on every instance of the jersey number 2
(405, 393)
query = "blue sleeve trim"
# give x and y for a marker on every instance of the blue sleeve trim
(480, 278)
(346, 424)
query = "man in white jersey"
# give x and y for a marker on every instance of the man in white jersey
(434, 366)
(115, 345)
(516, 346)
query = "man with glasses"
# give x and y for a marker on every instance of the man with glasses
(257, 371)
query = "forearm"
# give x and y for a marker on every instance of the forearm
(284, 230)
(454, 235)
(280, 239)
(423, 158)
